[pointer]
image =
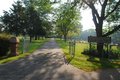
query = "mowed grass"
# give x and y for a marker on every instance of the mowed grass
(85, 62)
(34, 45)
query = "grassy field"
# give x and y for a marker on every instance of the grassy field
(85, 62)
(35, 44)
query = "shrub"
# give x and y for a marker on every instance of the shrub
(114, 54)
(92, 52)
(4, 44)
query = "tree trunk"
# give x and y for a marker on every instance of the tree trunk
(65, 37)
(30, 38)
(38, 37)
(99, 34)
(71, 38)
(35, 37)
(100, 48)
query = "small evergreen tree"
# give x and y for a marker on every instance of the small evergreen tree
(15, 19)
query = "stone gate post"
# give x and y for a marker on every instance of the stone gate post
(14, 46)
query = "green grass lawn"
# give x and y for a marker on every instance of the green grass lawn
(85, 62)
(35, 44)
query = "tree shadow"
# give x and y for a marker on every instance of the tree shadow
(3, 57)
(91, 58)
(68, 59)
(46, 63)
(35, 42)
(36, 67)
(107, 69)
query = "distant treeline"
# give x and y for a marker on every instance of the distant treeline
(115, 38)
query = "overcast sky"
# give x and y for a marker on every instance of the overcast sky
(86, 14)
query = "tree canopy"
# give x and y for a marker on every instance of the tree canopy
(108, 11)
(15, 19)
(68, 20)
(28, 17)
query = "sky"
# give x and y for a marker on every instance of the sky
(86, 14)
(5, 5)
(87, 21)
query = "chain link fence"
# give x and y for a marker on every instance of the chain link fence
(25, 45)
(72, 47)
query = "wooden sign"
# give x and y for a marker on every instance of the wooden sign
(99, 39)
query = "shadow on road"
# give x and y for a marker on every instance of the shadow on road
(35, 67)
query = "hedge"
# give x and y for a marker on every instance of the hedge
(4, 45)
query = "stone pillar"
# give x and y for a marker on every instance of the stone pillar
(14, 46)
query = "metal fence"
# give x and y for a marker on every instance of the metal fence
(72, 47)
(111, 50)
(103, 44)
(107, 48)
(25, 45)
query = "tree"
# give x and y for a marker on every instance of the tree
(115, 38)
(47, 27)
(58, 32)
(84, 34)
(42, 9)
(75, 31)
(110, 11)
(1, 25)
(68, 19)
(15, 19)
(40, 28)
(32, 18)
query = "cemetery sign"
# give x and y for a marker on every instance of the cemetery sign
(99, 39)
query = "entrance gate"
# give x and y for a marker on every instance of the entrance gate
(72, 47)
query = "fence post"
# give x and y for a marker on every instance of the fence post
(102, 52)
(69, 46)
(90, 46)
(74, 48)
(22, 45)
(28, 45)
(107, 48)
(109, 52)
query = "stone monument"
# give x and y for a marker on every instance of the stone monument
(14, 46)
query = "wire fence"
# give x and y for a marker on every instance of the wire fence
(72, 47)
(115, 51)
(108, 51)
(25, 45)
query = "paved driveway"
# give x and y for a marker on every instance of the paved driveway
(49, 63)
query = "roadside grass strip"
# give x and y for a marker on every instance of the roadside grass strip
(34, 45)
(86, 62)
